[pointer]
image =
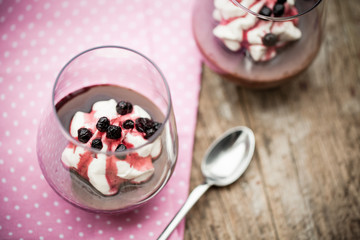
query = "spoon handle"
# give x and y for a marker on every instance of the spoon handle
(192, 199)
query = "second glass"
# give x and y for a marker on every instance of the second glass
(258, 44)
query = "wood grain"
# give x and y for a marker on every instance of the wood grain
(304, 180)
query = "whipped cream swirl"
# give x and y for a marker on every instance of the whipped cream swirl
(238, 29)
(106, 172)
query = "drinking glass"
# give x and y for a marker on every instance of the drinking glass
(238, 66)
(100, 74)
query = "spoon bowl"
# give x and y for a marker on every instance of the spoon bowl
(228, 157)
(225, 161)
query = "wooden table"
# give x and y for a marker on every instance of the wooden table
(304, 180)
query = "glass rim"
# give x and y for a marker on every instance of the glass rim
(235, 2)
(66, 132)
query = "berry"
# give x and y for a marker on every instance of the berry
(278, 10)
(124, 108)
(147, 126)
(113, 132)
(102, 124)
(281, 1)
(97, 144)
(141, 124)
(269, 39)
(128, 124)
(84, 135)
(157, 125)
(265, 11)
(120, 148)
(149, 132)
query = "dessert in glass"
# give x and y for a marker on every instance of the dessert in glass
(108, 142)
(258, 43)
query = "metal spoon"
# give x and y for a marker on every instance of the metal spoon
(224, 162)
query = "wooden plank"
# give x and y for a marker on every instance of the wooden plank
(304, 181)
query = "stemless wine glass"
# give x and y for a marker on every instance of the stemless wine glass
(99, 75)
(288, 58)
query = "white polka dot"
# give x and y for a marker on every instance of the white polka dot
(6, 199)
(67, 211)
(78, 219)
(139, 225)
(81, 234)
(58, 220)
(36, 205)
(108, 222)
(14, 188)
(57, 14)
(151, 234)
(70, 227)
(38, 223)
(3, 180)
(25, 197)
(12, 27)
(119, 228)
(8, 217)
(12, 170)
(46, 5)
(100, 232)
(47, 214)
(50, 229)
(39, 16)
(19, 225)
(16, 207)
(131, 236)
(89, 225)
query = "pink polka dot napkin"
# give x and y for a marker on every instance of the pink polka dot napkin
(37, 38)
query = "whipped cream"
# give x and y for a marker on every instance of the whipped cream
(238, 29)
(106, 172)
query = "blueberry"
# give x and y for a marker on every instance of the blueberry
(128, 124)
(102, 124)
(141, 124)
(120, 148)
(157, 125)
(84, 135)
(124, 107)
(278, 10)
(97, 144)
(113, 132)
(269, 39)
(281, 1)
(149, 132)
(265, 11)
